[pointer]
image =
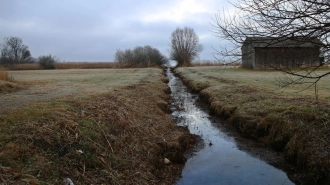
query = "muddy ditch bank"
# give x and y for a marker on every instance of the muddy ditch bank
(295, 129)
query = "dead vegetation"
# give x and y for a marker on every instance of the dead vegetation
(73, 65)
(7, 83)
(296, 126)
(7, 87)
(214, 63)
(120, 137)
(4, 74)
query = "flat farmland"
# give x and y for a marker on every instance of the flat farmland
(269, 80)
(91, 126)
(44, 85)
(90, 81)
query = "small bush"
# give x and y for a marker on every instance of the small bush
(47, 62)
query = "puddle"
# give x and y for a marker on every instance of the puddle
(219, 161)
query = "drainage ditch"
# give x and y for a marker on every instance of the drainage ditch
(219, 159)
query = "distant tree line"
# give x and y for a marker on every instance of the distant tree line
(14, 52)
(140, 57)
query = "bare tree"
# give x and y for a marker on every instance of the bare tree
(14, 51)
(184, 46)
(124, 57)
(277, 20)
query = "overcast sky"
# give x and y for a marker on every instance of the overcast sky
(92, 30)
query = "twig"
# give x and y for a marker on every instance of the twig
(104, 134)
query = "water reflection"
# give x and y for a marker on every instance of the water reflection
(220, 161)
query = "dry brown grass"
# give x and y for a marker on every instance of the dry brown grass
(86, 81)
(4, 74)
(25, 67)
(200, 63)
(7, 87)
(72, 65)
(7, 83)
(87, 65)
(295, 125)
(119, 137)
(206, 63)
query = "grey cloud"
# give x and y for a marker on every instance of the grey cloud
(93, 30)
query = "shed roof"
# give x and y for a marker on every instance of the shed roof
(283, 42)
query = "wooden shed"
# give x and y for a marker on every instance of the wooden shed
(289, 52)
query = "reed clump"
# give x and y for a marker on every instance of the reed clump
(4, 74)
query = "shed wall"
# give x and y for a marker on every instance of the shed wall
(286, 57)
(248, 56)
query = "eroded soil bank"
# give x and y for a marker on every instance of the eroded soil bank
(295, 128)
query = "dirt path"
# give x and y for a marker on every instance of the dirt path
(35, 93)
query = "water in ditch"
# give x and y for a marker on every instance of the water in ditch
(219, 161)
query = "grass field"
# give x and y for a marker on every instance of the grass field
(269, 80)
(90, 81)
(115, 129)
(288, 120)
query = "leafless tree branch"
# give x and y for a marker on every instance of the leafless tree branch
(279, 20)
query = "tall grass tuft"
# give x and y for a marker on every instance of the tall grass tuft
(4, 74)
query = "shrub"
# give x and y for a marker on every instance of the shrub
(47, 62)
(140, 57)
